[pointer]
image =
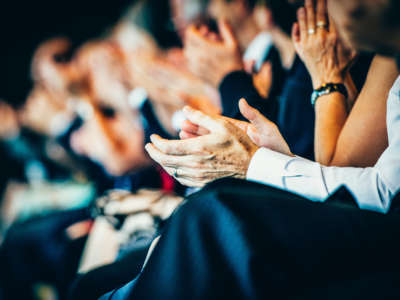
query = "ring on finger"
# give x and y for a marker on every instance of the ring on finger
(322, 25)
(311, 31)
(176, 173)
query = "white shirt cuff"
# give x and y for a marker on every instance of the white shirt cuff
(293, 174)
(268, 167)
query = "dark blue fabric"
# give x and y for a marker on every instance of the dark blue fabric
(296, 117)
(239, 85)
(288, 106)
(39, 250)
(241, 240)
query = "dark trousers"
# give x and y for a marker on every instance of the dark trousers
(39, 251)
(238, 239)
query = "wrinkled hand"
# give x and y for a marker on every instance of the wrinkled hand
(318, 44)
(224, 151)
(212, 57)
(261, 131)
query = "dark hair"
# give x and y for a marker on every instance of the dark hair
(392, 15)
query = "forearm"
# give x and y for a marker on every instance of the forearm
(330, 117)
(364, 136)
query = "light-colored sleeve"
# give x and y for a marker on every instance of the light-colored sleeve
(294, 174)
(369, 186)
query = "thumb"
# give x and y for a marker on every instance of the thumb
(226, 32)
(252, 114)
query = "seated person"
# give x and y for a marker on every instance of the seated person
(263, 245)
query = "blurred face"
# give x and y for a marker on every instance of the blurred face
(102, 63)
(363, 24)
(49, 67)
(114, 142)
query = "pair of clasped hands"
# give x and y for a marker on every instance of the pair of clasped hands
(213, 147)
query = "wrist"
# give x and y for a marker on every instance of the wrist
(327, 89)
(319, 82)
(252, 152)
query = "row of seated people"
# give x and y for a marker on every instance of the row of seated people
(106, 100)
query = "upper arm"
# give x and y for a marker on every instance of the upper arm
(364, 135)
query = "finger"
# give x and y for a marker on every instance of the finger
(310, 12)
(192, 174)
(253, 134)
(332, 26)
(199, 118)
(166, 160)
(252, 114)
(193, 128)
(227, 33)
(239, 124)
(181, 147)
(322, 12)
(184, 135)
(301, 18)
(190, 183)
(296, 33)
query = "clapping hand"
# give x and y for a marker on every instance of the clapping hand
(211, 56)
(213, 147)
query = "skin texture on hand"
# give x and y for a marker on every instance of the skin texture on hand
(260, 130)
(224, 151)
(325, 55)
(210, 56)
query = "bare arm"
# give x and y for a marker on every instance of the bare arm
(348, 132)
(360, 138)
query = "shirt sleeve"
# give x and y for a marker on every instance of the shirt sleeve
(368, 185)
(294, 174)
